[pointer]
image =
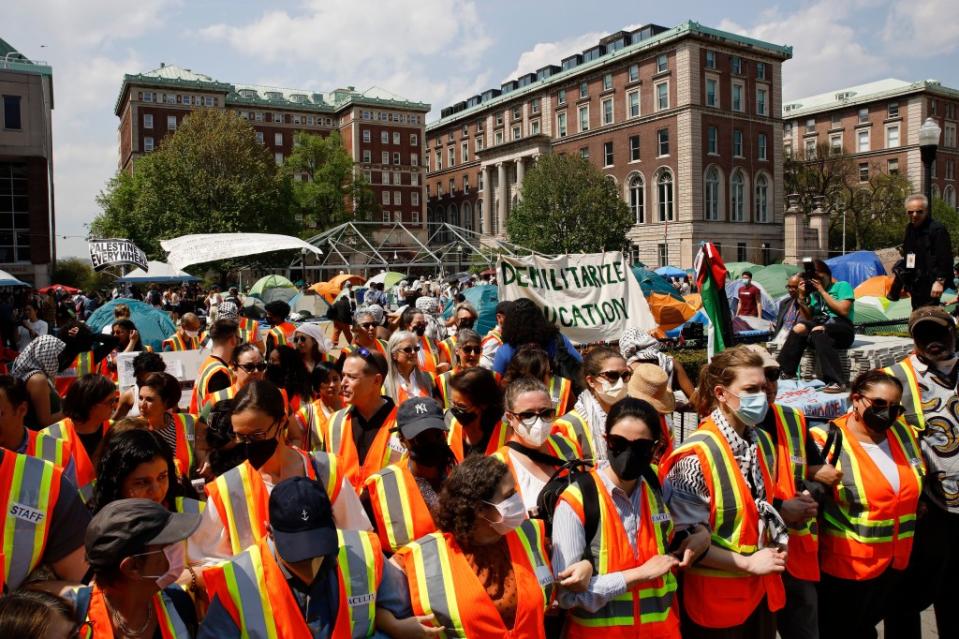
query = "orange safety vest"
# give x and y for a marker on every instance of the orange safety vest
(242, 501)
(185, 426)
(211, 399)
(443, 583)
(457, 435)
(248, 329)
(402, 394)
(99, 626)
(715, 598)
(53, 449)
(399, 511)
(429, 355)
(648, 609)
(385, 450)
(349, 349)
(442, 384)
(282, 334)
(210, 367)
(85, 470)
(574, 426)
(29, 490)
(447, 348)
(803, 559)
(178, 342)
(559, 392)
(911, 393)
(866, 526)
(494, 335)
(83, 364)
(253, 591)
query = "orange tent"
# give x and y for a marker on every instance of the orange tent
(668, 311)
(877, 286)
(694, 300)
(329, 290)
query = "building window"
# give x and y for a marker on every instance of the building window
(737, 64)
(632, 99)
(499, 119)
(385, 159)
(396, 158)
(366, 135)
(466, 184)
(15, 204)
(949, 135)
(415, 198)
(385, 195)
(662, 139)
(836, 120)
(607, 154)
(608, 111)
(386, 217)
(384, 137)
(561, 124)
(738, 97)
(662, 96)
(534, 105)
(278, 158)
(397, 198)
(741, 251)
(762, 146)
(737, 143)
(762, 198)
(583, 89)
(498, 137)
(892, 110)
(148, 96)
(949, 195)
(663, 254)
(863, 115)
(662, 63)
(414, 159)
(637, 198)
(534, 127)
(147, 121)
(712, 194)
(664, 192)
(517, 113)
(259, 138)
(835, 144)
(892, 167)
(811, 125)
(738, 196)
(584, 152)
(414, 139)
(278, 139)
(810, 149)
(584, 118)
(892, 136)
(171, 123)
(862, 140)
(634, 148)
(396, 137)
(607, 81)
(464, 152)
(517, 132)
(633, 72)
(760, 71)
(761, 105)
(712, 140)
(561, 96)
(710, 59)
(863, 171)
(712, 92)
(148, 144)
(451, 157)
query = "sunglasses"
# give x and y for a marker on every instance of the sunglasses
(409, 350)
(471, 350)
(249, 368)
(881, 404)
(299, 339)
(618, 443)
(614, 376)
(367, 325)
(549, 414)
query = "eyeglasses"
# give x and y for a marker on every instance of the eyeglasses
(249, 368)
(549, 414)
(257, 436)
(409, 350)
(919, 212)
(614, 376)
(471, 350)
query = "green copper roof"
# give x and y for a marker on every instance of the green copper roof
(13, 60)
(861, 94)
(685, 29)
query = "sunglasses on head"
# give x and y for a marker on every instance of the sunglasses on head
(614, 376)
(249, 368)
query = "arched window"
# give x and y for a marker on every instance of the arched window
(665, 195)
(762, 198)
(637, 198)
(935, 194)
(737, 192)
(467, 212)
(453, 215)
(949, 195)
(712, 194)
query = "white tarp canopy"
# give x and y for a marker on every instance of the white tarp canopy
(157, 272)
(209, 247)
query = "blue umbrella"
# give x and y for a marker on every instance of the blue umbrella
(670, 271)
(153, 325)
(484, 299)
(8, 280)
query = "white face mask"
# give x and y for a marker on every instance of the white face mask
(534, 430)
(512, 513)
(191, 333)
(175, 558)
(612, 393)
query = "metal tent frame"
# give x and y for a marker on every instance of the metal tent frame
(368, 246)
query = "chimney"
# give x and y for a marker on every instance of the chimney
(162, 64)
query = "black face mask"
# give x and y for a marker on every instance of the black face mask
(878, 420)
(630, 462)
(420, 330)
(259, 452)
(275, 374)
(463, 416)
(436, 454)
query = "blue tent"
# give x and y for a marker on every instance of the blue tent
(670, 271)
(856, 268)
(153, 325)
(484, 299)
(652, 282)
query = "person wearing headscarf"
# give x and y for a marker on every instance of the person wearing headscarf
(637, 346)
(430, 307)
(312, 344)
(247, 326)
(37, 367)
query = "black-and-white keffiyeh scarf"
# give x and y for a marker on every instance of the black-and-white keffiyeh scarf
(40, 355)
(637, 345)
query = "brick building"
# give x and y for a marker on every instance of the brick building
(685, 120)
(877, 124)
(383, 134)
(27, 226)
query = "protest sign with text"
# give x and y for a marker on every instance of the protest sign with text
(104, 253)
(591, 297)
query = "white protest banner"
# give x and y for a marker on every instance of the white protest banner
(196, 249)
(113, 252)
(591, 297)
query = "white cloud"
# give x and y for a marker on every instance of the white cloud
(923, 28)
(80, 173)
(85, 23)
(544, 53)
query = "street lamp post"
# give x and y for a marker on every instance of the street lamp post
(459, 257)
(928, 145)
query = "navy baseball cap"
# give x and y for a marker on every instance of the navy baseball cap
(419, 414)
(301, 518)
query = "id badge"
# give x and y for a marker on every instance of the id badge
(910, 260)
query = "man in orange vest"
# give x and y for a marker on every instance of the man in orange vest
(314, 580)
(281, 331)
(18, 438)
(187, 337)
(215, 371)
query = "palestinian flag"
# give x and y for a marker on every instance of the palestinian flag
(711, 279)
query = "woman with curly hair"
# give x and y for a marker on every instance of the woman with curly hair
(485, 573)
(135, 462)
(524, 323)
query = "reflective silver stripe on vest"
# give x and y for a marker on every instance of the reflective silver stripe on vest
(322, 463)
(537, 558)
(581, 431)
(231, 488)
(620, 607)
(188, 505)
(797, 442)
(49, 448)
(390, 480)
(178, 626)
(726, 527)
(361, 602)
(435, 584)
(562, 448)
(33, 499)
(250, 606)
(658, 605)
(336, 430)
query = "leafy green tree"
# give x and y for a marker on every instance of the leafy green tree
(326, 188)
(211, 176)
(949, 218)
(78, 273)
(568, 206)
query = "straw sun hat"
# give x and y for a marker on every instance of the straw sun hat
(651, 383)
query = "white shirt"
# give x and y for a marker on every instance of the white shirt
(882, 457)
(528, 484)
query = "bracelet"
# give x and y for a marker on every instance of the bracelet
(193, 587)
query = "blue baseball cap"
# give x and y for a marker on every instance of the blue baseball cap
(419, 414)
(301, 518)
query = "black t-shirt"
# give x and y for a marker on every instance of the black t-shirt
(90, 441)
(365, 431)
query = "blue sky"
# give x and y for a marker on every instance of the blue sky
(437, 51)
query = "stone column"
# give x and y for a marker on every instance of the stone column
(794, 233)
(502, 186)
(819, 222)
(487, 211)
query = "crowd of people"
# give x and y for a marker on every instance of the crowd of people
(415, 478)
